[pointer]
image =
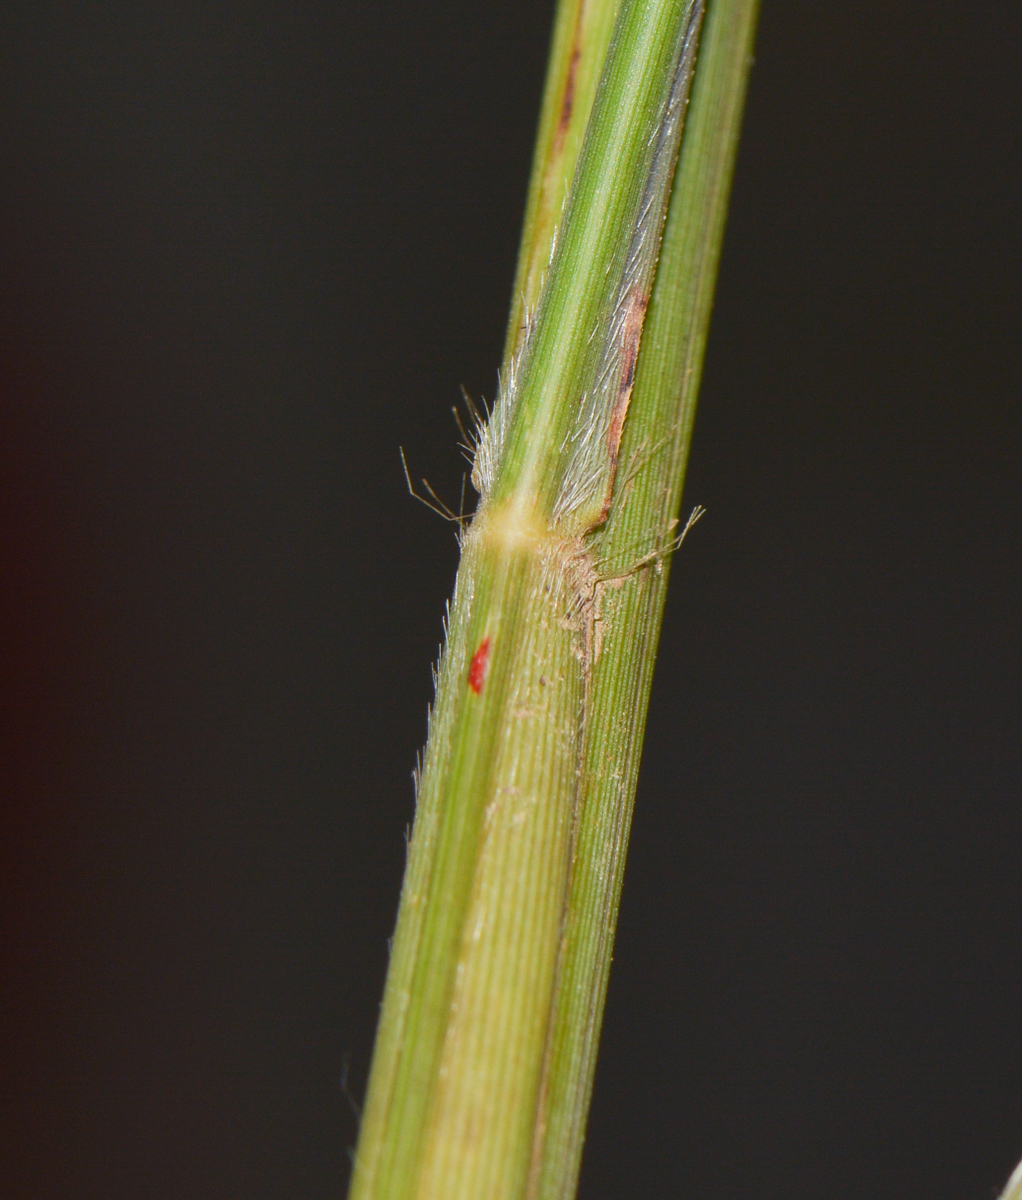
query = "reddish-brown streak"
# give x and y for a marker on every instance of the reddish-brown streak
(631, 334)
(568, 103)
(477, 668)
(568, 100)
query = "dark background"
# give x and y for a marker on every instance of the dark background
(249, 249)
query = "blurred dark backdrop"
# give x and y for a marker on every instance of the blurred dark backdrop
(249, 249)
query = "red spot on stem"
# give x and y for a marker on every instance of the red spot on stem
(477, 668)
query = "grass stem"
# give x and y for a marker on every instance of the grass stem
(484, 1059)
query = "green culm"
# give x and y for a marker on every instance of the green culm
(486, 1047)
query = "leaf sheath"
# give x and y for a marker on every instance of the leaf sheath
(484, 1059)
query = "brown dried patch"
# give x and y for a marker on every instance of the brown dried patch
(631, 336)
